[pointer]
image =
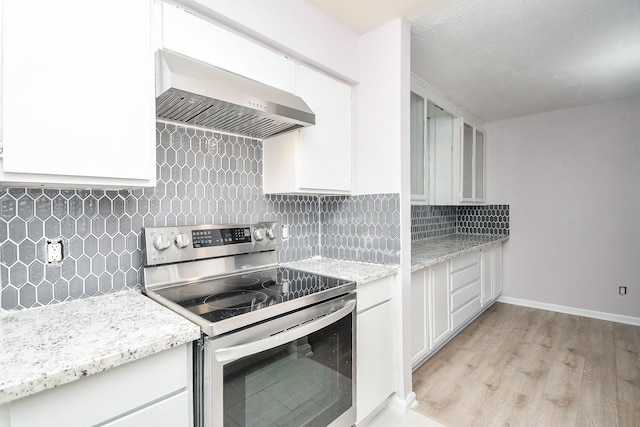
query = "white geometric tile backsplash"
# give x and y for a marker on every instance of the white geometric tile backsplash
(203, 177)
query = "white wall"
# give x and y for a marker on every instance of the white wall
(572, 178)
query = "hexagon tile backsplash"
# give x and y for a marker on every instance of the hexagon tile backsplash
(203, 177)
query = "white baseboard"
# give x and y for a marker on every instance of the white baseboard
(402, 405)
(620, 318)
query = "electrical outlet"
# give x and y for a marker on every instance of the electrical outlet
(622, 290)
(285, 231)
(55, 253)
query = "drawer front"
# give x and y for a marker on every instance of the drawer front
(465, 313)
(464, 261)
(374, 293)
(466, 276)
(465, 294)
(126, 388)
(171, 412)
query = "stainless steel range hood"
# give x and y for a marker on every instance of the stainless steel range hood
(190, 91)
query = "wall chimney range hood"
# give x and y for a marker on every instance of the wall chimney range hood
(192, 92)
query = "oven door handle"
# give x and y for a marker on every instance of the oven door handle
(248, 349)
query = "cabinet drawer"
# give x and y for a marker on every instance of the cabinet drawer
(465, 313)
(374, 293)
(465, 261)
(125, 388)
(466, 276)
(465, 294)
(170, 412)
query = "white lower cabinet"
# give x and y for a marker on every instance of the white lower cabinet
(155, 390)
(430, 309)
(465, 288)
(374, 351)
(491, 274)
(438, 306)
(446, 296)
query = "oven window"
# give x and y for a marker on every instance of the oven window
(306, 382)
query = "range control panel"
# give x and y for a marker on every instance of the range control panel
(220, 237)
(164, 245)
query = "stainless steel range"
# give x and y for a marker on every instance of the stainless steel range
(278, 344)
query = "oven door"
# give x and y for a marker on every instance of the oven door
(295, 370)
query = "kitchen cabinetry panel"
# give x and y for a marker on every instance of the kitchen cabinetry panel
(121, 396)
(78, 94)
(472, 165)
(430, 309)
(419, 163)
(446, 296)
(448, 157)
(315, 159)
(197, 38)
(166, 413)
(375, 358)
(439, 304)
(419, 315)
(491, 274)
(465, 313)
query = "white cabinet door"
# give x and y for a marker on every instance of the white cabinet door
(376, 367)
(315, 159)
(419, 153)
(78, 98)
(194, 37)
(491, 274)
(439, 304)
(472, 165)
(496, 269)
(375, 358)
(487, 281)
(419, 315)
(325, 157)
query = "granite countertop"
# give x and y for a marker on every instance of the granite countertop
(360, 272)
(45, 347)
(432, 251)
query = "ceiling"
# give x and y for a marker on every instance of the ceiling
(499, 59)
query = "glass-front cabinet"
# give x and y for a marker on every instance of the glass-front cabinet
(472, 165)
(447, 153)
(419, 155)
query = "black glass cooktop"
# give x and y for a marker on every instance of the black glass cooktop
(223, 298)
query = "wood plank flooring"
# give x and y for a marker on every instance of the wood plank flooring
(516, 366)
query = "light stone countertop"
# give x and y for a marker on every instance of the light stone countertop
(432, 251)
(360, 272)
(45, 347)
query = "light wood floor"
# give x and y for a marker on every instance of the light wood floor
(516, 366)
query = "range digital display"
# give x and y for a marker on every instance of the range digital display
(220, 237)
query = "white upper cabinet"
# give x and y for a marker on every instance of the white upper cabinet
(447, 154)
(314, 159)
(472, 165)
(199, 39)
(78, 100)
(419, 153)
(311, 160)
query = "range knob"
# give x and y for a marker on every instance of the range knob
(258, 234)
(182, 240)
(271, 233)
(161, 242)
